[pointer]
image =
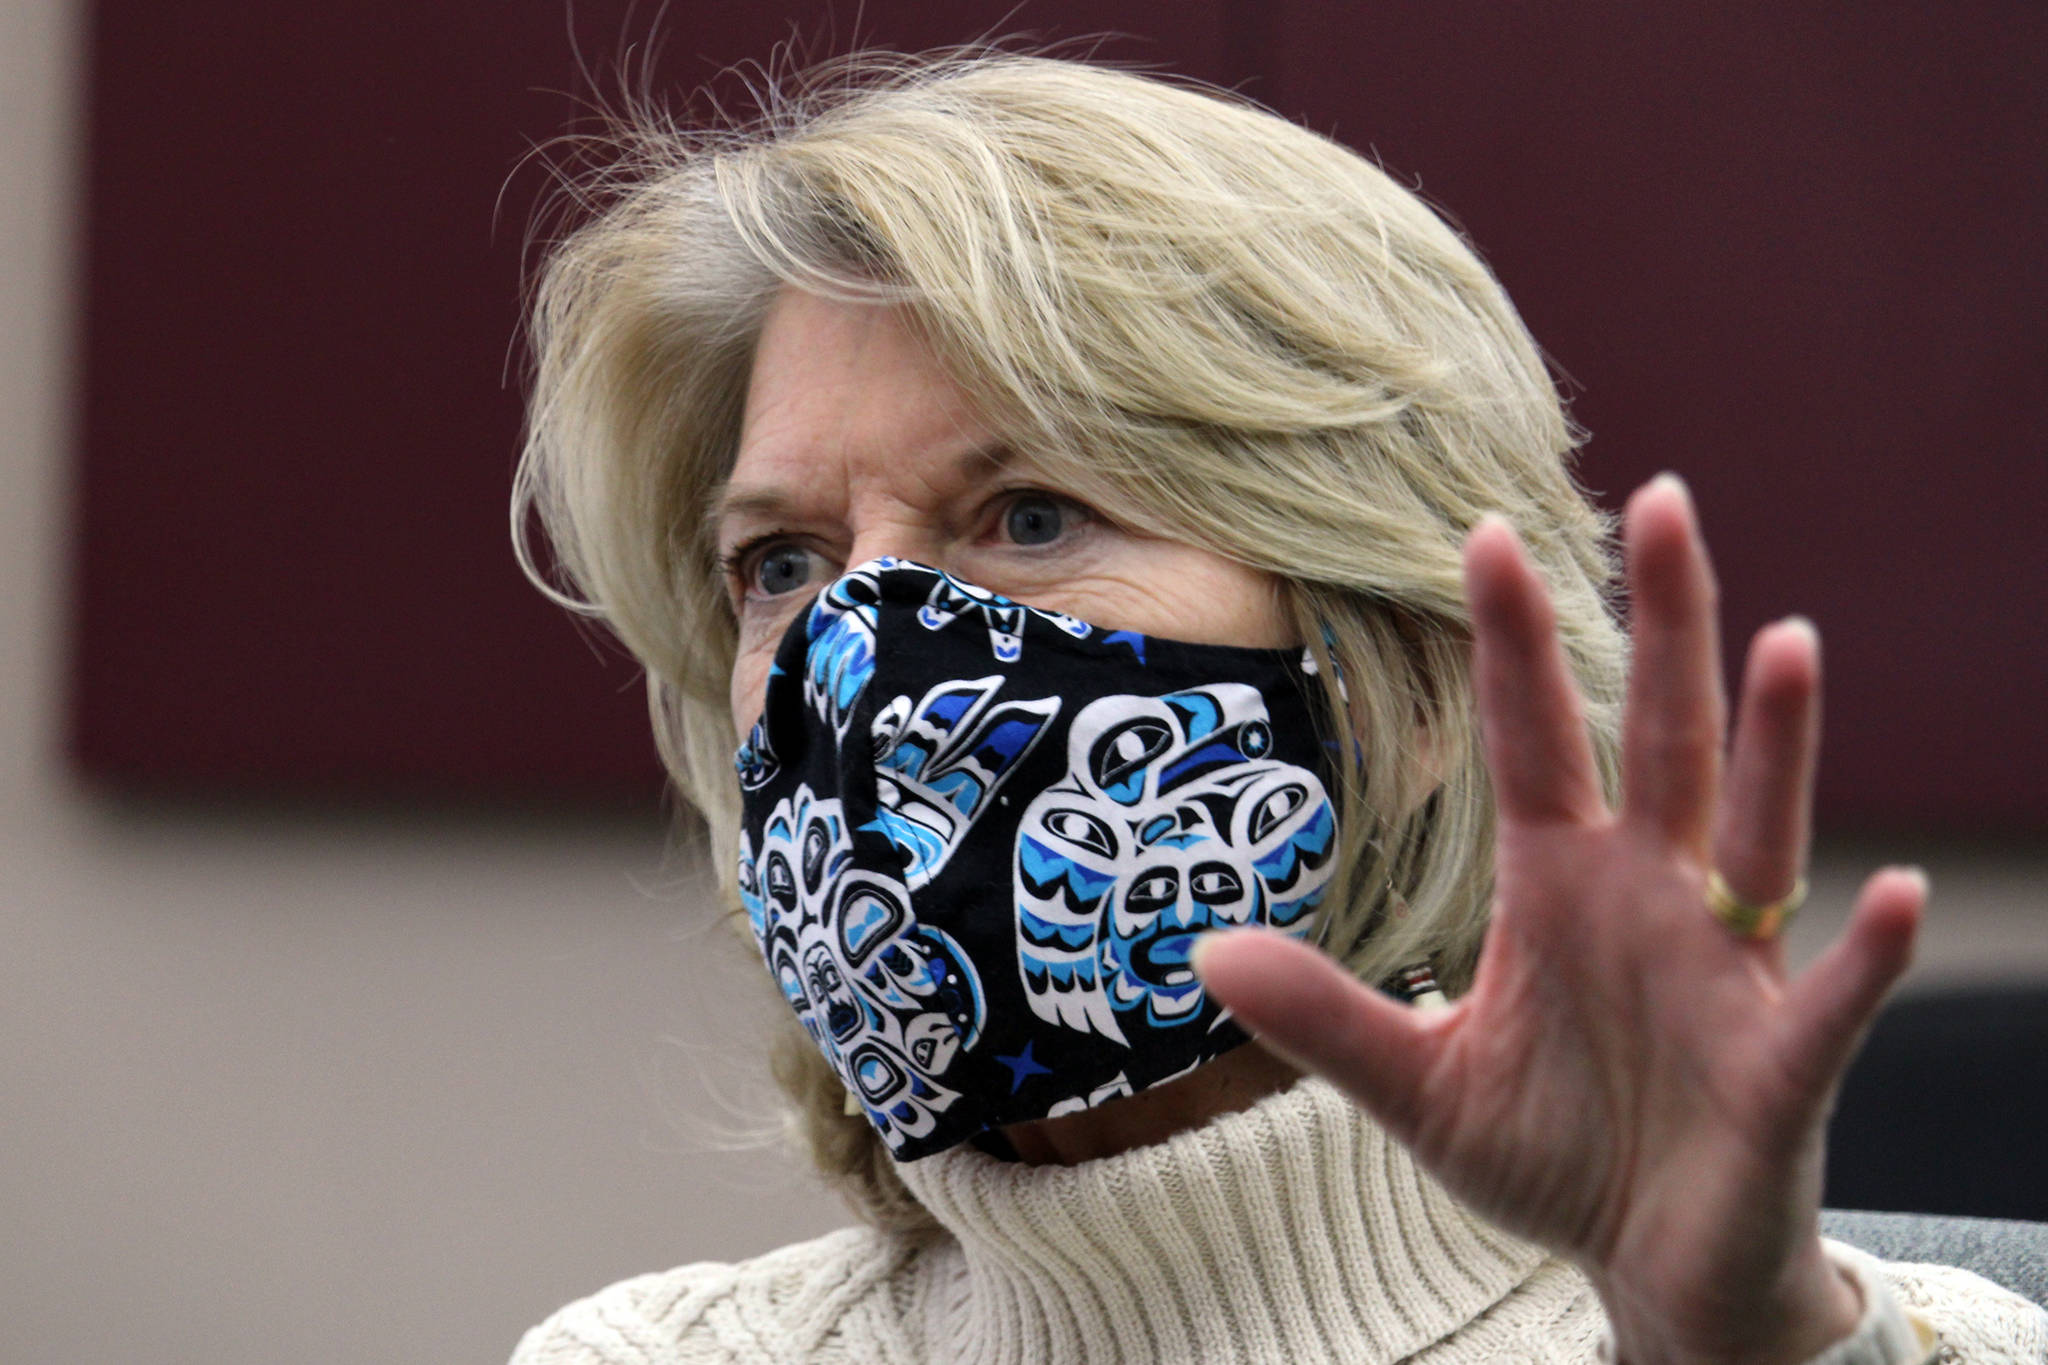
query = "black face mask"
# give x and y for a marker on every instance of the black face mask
(978, 841)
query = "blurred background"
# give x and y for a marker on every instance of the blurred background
(357, 1003)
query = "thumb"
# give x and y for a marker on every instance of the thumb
(1303, 1005)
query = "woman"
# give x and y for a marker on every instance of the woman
(1112, 515)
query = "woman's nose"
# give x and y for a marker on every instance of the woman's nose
(917, 544)
(864, 555)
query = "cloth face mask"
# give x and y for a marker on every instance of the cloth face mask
(978, 841)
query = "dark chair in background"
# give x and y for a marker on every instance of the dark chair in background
(1946, 1113)
(2004, 1252)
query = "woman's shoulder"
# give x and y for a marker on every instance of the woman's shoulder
(792, 1303)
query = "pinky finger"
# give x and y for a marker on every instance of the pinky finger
(1834, 1000)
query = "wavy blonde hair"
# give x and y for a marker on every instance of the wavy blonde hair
(1215, 325)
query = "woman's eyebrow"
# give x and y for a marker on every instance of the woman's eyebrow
(987, 460)
(766, 502)
(727, 504)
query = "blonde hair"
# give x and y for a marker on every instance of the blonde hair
(1214, 324)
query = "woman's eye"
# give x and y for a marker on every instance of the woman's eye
(781, 569)
(1035, 520)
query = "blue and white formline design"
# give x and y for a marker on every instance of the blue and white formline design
(840, 629)
(840, 655)
(755, 761)
(890, 1002)
(1171, 820)
(938, 762)
(952, 599)
(1173, 817)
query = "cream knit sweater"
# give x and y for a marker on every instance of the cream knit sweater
(1295, 1231)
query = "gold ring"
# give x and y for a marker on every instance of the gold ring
(1747, 919)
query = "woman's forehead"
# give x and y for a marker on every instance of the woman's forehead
(844, 395)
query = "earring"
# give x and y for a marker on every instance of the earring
(1418, 983)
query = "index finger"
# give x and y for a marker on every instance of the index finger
(1531, 717)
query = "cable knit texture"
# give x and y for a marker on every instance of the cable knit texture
(1295, 1231)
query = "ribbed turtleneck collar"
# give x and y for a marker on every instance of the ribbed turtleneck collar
(1295, 1230)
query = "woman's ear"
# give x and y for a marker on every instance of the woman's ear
(1436, 746)
(1428, 761)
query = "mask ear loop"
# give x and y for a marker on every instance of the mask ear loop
(1416, 983)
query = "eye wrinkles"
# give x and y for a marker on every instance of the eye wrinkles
(778, 538)
(735, 502)
(1036, 527)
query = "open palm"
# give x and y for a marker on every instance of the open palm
(1627, 1082)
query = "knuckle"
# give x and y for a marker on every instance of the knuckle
(1691, 741)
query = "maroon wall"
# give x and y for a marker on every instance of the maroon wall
(1795, 258)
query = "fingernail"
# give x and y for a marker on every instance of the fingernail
(1487, 519)
(1804, 625)
(1919, 874)
(1670, 480)
(1203, 943)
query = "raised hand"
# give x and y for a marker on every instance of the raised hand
(1629, 1081)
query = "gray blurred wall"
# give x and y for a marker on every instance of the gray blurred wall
(300, 1087)
(305, 1086)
